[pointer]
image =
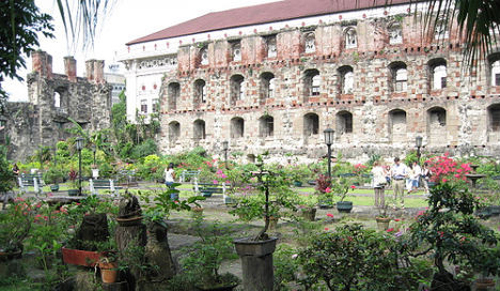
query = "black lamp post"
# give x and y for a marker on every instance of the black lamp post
(79, 147)
(93, 150)
(329, 141)
(418, 143)
(225, 148)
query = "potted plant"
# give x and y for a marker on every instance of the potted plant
(53, 176)
(73, 181)
(323, 188)
(299, 173)
(91, 239)
(204, 261)
(256, 252)
(454, 236)
(109, 269)
(340, 187)
(15, 225)
(383, 219)
(307, 207)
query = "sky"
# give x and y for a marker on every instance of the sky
(128, 20)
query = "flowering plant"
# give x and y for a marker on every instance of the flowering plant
(15, 225)
(341, 187)
(444, 169)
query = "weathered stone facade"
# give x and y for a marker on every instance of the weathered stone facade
(53, 98)
(378, 81)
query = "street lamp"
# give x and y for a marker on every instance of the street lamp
(225, 148)
(93, 150)
(418, 143)
(79, 147)
(329, 141)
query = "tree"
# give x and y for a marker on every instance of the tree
(478, 21)
(20, 22)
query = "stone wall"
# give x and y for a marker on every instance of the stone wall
(53, 100)
(373, 118)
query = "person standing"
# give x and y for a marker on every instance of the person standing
(379, 181)
(415, 177)
(169, 175)
(399, 172)
(426, 174)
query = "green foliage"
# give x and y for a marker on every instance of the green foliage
(451, 233)
(353, 258)
(53, 176)
(15, 224)
(206, 256)
(7, 177)
(285, 266)
(21, 23)
(146, 148)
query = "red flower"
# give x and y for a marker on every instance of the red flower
(326, 228)
(329, 215)
(390, 229)
(353, 187)
(397, 219)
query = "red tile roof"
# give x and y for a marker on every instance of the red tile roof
(263, 13)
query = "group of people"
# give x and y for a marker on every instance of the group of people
(401, 177)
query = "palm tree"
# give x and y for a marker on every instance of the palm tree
(478, 22)
(81, 19)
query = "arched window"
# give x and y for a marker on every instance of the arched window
(237, 127)
(237, 88)
(272, 49)
(399, 76)
(344, 122)
(310, 43)
(437, 116)
(397, 125)
(311, 124)
(199, 129)
(350, 38)
(199, 92)
(174, 90)
(441, 29)
(312, 83)
(267, 86)
(495, 73)
(57, 100)
(266, 127)
(346, 74)
(204, 56)
(438, 74)
(236, 51)
(174, 131)
(395, 33)
(494, 118)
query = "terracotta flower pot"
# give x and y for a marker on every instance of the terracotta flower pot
(81, 257)
(109, 271)
(383, 223)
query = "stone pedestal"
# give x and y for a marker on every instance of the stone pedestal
(257, 263)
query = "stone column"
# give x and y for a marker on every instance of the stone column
(70, 68)
(89, 70)
(257, 263)
(99, 71)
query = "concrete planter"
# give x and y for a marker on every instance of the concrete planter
(257, 263)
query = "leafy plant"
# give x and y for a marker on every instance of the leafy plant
(453, 235)
(206, 257)
(15, 225)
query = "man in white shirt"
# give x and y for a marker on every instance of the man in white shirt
(399, 172)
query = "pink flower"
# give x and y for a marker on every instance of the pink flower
(215, 182)
(353, 187)
(328, 190)
(326, 228)
(329, 215)
(397, 219)
(390, 229)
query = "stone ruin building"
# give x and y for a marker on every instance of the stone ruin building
(274, 76)
(53, 100)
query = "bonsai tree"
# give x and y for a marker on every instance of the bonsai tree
(453, 235)
(206, 257)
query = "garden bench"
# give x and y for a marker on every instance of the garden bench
(107, 184)
(187, 175)
(207, 189)
(30, 180)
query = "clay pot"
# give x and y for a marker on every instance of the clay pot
(109, 271)
(383, 223)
